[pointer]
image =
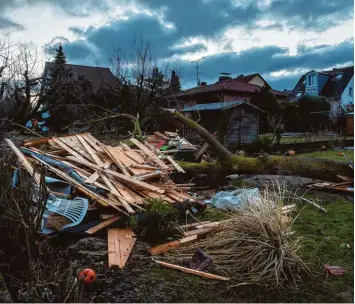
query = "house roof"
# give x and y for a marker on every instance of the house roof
(247, 78)
(96, 75)
(218, 106)
(233, 85)
(333, 87)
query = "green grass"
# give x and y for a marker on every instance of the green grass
(322, 237)
(325, 236)
(329, 154)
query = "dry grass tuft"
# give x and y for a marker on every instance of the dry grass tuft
(255, 246)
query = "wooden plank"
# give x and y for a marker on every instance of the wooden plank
(92, 178)
(92, 153)
(150, 154)
(53, 144)
(67, 148)
(102, 225)
(115, 158)
(119, 176)
(176, 165)
(192, 271)
(198, 231)
(161, 135)
(135, 156)
(120, 245)
(24, 161)
(167, 246)
(79, 186)
(345, 178)
(145, 167)
(93, 144)
(148, 176)
(38, 142)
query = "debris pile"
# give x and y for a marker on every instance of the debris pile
(170, 142)
(115, 180)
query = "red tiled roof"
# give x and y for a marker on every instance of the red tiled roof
(246, 78)
(232, 85)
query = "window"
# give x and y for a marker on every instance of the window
(311, 80)
(339, 76)
(351, 92)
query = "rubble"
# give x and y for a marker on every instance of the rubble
(114, 180)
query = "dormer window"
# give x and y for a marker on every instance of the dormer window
(339, 76)
(311, 82)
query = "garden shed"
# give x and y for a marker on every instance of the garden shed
(236, 122)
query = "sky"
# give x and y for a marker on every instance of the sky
(280, 39)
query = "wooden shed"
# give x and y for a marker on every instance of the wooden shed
(350, 123)
(238, 121)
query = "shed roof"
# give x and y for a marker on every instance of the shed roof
(218, 106)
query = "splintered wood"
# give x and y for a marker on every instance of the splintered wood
(120, 177)
(120, 244)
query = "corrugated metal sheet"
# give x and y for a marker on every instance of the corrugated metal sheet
(213, 106)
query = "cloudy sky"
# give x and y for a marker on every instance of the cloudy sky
(280, 39)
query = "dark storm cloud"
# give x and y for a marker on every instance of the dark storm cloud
(8, 24)
(271, 59)
(314, 15)
(120, 34)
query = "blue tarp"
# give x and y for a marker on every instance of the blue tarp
(58, 164)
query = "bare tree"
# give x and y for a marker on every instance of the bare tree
(26, 81)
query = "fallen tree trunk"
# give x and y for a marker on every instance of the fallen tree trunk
(228, 163)
(287, 165)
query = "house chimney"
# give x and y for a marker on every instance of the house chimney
(223, 78)
(203, 83)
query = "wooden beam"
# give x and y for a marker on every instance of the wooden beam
(120, 244)
(67, 148)
(24, 161)
(176, 165)
(151, 155)
(102, 225)
(79, 186)
(192, 271)
(167, 246)
(92, 153)
(120, 176)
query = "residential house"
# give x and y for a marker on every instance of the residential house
(237, 120)
(98, 76)
(336, 85)
(228, 98)
(225, 89)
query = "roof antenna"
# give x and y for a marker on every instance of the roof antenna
(198, 82)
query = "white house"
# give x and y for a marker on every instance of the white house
(336, 85)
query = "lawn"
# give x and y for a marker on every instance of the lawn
(330, 154)
(325, 240)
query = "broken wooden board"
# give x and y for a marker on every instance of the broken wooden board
(102, 225)
(24, 162)
(167, 246)
(151, 155)
(192, 271)
(79, 186)
(175, 164)
(120, 245)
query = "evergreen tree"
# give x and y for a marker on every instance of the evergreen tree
(60, 58)
(266, 101)
(59, 72)
(175, 82)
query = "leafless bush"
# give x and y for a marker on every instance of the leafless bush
(33, 269)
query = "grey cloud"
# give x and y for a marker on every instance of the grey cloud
(271, 59)
(8, 24)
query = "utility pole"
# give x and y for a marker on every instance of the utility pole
(198, 83)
